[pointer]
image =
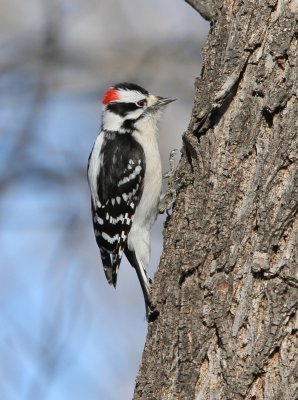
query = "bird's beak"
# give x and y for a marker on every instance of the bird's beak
(162, 101)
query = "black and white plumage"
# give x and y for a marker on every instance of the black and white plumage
(124, 174)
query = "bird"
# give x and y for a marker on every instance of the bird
(125, 180)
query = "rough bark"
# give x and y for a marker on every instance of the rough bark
(226, 287)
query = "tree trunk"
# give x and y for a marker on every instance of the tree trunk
(226, 288)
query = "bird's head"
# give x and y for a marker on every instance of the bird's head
(125, 104)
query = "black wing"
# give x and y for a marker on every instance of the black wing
(120, 186)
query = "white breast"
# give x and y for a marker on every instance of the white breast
(146, 210)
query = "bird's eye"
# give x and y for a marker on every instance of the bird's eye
(141, 103)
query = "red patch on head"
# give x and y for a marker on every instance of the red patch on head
(110, 95)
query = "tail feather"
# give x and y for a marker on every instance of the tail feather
(107, 266)
(111, 263)
(116, 264)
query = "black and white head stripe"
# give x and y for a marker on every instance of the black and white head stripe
(120, 186)
(124, 93)
(131, 87)
(122, 108)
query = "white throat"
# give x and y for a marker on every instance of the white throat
(114, 122)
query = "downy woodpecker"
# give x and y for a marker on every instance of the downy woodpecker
(124, 175)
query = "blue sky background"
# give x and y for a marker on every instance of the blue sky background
(64, 332)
